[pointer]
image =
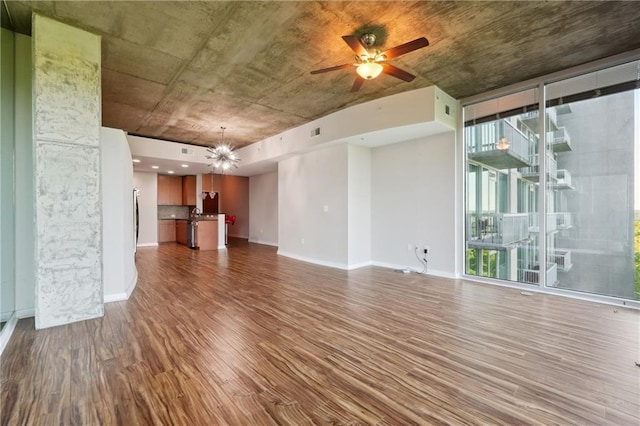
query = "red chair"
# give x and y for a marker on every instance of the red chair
(229, 219)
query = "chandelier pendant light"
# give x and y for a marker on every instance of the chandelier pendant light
(223, 155)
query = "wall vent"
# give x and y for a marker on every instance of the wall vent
(187, 151)
(315, 132)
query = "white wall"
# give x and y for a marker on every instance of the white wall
(413, 202)
(24, 248)
(379, 201)
(402, 116)
(359, 205)
(119, 271)
(307, 185)
(147, 184)
(263, 209)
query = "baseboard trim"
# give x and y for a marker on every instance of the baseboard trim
(147, 245)
(314, 261)
(238, 236)
(266, 243)
(434, 272)
(115, 297)
(119, 297)
(346, 267)
(360, 265)
(26, 313)
(443, 274)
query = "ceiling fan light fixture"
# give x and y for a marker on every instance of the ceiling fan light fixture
(371, 62)
(369, 70)
(368, 40)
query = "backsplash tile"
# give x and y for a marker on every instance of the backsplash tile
(173, 212)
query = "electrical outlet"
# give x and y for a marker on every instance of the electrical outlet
(409, 246)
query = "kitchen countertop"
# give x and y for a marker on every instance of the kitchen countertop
(199, 218)
(207, 217)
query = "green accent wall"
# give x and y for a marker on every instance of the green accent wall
(7, 198)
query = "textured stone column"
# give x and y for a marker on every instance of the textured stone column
(68, 206)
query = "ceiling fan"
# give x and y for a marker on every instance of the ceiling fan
(371, 62)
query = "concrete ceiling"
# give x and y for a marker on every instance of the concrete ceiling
(180, 70)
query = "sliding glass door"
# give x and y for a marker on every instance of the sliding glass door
(593, 134)
(553, 191)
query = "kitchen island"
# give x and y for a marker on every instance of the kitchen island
(209, 231)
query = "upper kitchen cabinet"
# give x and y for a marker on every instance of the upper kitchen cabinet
(188, 190)
(169, 190)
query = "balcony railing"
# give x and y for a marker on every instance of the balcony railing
(563, 220)
(563, 180)
(559, 140)
(497, 230)
(533, 173)
(562, 258)
(530, 119)
(534, 222)
(532, 276)
(499, 144)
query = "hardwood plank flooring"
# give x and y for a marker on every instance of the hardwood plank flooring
(246, 337)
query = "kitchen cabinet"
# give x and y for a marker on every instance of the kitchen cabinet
(208, 235)
(188, 190)
(166, 230)
(169, 190)
(181, 231)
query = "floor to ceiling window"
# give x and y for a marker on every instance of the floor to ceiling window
(584, 178)
(501, 209)
(593, 137)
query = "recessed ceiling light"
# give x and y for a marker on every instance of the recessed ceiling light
(155, 167)
(170, 172)
(135, 160)
(185, 165)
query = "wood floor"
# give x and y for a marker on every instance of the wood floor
(246, 337)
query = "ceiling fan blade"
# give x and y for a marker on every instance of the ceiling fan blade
(416, 44)
(357, 84)
(337, 67)
(355, 45)
(397, 72)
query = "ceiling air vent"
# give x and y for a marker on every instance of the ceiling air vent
(186, 151)
(315, 132)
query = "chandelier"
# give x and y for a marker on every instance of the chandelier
(223, 156)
